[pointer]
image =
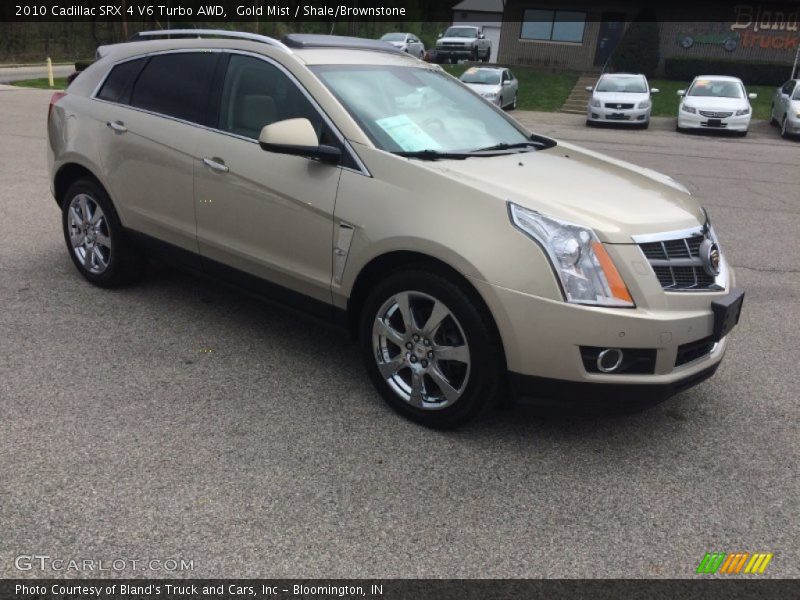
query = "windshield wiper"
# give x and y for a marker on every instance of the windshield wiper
(434, 155)
(507, 146)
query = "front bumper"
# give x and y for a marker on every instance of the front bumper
(631, 116)
(454, 52)
(546, 342)
(793, 126)
(698, 121)
(554, 393)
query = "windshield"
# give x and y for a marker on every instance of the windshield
(719, 89)
(411, 109)
(486, 76)
(465, 32)
(625, 85)
(394, 37)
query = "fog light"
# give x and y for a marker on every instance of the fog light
(609, 360)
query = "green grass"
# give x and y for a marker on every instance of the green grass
(665, 103)
(43, 83)
(537, 91)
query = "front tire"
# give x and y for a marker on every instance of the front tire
(784, 129)
(431, 348)
(95, 239)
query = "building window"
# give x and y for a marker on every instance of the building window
(553, 25)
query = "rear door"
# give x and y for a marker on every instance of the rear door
(152, 134)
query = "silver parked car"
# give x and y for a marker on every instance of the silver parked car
(407, 42)
(497, 85)
(620, 98)
(786, 108)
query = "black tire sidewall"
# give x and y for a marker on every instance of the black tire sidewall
(487, 366)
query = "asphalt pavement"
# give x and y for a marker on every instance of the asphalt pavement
(178, 420)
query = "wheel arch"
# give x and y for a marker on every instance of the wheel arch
(66, 175)
(384, 264)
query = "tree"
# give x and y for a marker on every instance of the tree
(638, 51)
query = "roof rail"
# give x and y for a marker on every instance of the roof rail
(209, 33)
(314, 40)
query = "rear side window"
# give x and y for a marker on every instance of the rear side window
(176, 85)
(118, 84)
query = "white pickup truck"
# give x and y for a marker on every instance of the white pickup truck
(463, 41)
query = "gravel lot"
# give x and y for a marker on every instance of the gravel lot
(177, 419)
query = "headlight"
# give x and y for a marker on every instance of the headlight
(596, 103)
(586, 271)
(743, 111)
(489, 94)
(688, 109)
(644, 104)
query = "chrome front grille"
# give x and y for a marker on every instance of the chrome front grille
(619, 106)
(678, 265)
(715, 115)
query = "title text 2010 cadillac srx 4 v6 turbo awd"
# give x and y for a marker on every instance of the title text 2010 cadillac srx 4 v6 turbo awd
(471, 258)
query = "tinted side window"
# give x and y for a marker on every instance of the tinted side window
(118, 84)
(256, 93)
(177, 85)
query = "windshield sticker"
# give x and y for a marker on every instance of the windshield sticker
(407, 134)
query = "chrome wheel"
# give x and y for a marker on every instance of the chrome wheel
(421, 350)
(89, 233)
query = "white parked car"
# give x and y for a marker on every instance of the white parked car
(715, 102)
(786, 108)
(407, 42)
(496, 84)
(621, 98)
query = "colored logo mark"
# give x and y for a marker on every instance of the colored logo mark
(733, 564)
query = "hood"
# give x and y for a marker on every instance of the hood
(620, 97)
(615, 198)
(716, 103)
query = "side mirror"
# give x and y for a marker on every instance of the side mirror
(507, 82)
(296, 137)
(439, 36)
(654, 90)
(752, 96)
(681, 92)
(589, 88)
(481, 36)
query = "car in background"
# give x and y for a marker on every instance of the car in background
(786, 108)
(496, 84)
(407, 42)
(620, 98)
(463, 42)
(715, 102)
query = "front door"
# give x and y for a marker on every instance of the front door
(612, 27)
(265, 214)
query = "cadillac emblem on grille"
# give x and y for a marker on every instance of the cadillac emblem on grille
(709, 254)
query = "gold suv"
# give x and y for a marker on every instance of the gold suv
(470, 258)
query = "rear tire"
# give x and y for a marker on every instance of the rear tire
(95, 239)
(431, 348)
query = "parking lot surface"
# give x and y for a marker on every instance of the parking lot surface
(176, 419)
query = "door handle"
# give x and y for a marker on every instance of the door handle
(216, 164)
(117, 126)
